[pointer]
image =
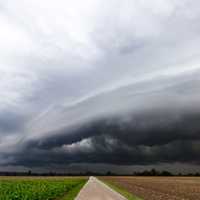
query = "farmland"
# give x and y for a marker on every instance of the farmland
(38, 188)
(159, 188)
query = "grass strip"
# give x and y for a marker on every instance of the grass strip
(121, 190)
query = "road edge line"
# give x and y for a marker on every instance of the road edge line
(82, 189)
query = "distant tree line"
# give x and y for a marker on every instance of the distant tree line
(152, 172)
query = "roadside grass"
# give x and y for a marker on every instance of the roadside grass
(121, 190)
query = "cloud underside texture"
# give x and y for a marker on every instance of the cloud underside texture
(99, 82)
(153, 137)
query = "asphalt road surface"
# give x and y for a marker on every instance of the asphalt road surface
(97, 190)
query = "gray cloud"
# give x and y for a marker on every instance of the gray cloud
(156, 137)
(99, 82)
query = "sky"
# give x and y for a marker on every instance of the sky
(99, 85)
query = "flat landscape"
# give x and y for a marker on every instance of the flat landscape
(159, 188)
(40, 188)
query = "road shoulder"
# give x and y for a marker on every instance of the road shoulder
(121, 190)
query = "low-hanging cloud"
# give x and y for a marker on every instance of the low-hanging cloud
(154, 137)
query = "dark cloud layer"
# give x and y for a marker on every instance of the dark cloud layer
(155, 137)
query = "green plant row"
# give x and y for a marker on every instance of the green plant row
(39, 189)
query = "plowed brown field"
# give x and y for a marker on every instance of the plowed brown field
(160, 188)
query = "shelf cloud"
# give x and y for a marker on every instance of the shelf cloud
(99, 83)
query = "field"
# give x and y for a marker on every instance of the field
(159, 188)
(39, 188)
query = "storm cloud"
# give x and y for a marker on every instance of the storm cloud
(96, 82)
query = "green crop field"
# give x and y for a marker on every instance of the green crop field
(40, 188)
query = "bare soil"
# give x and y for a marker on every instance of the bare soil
(160, 188)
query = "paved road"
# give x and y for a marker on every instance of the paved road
(97, 190)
